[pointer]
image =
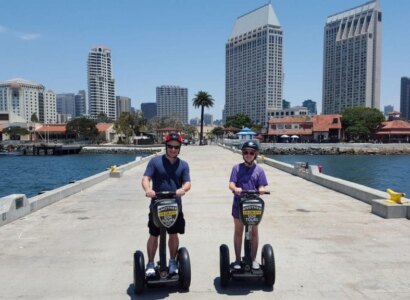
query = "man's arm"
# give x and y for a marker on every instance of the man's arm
(146, 185)
(186, 186)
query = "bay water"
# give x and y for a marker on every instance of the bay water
(375, 171)
(32, 174)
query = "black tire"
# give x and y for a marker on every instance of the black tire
(268, 264)
(224, 265)
(184, 270)
(139, 272)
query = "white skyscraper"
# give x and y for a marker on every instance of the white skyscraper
(101, 90)
(254, 69)
(351, 63)
(24, 99)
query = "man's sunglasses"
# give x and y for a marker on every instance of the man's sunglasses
(248, 152)
(173, 147)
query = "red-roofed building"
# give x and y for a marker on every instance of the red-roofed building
(57, 132)
(305, 128)
(394, 131)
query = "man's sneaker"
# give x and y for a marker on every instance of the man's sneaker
(255, 265)
(150, 270)
(173, 267)
(237, 265)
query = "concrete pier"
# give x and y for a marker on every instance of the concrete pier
(327, 245)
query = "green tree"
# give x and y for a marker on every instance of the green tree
(361, 122)
(126, 125)
(82, 128)
(14, 132)
(34, 118)
(218, 132)
(162, 122)
(103, 118)
(239, 120)
(202, 99)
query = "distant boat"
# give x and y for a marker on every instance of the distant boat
(11, 153)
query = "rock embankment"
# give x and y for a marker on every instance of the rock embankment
(121, 150)
(371, 150)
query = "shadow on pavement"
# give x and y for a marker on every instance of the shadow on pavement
(158, 292)
(241, 286)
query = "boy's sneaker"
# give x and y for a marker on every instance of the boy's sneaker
(255, 265)
(150, 270)
(173, 267)
(237, 265)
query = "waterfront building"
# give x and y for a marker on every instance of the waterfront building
(311, 106)
(101, 88)
(24, 99)
(80, 103)
(405, 98)
(319, 128)
(149, 110)
(172, 101)
(351, 69)
(293, 111)
(254, 68)
(123, 105)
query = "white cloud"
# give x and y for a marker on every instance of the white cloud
(29, 36)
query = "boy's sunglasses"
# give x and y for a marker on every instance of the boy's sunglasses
(248, 152)
(173, 147)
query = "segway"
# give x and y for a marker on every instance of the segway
(165, 210)
(251, 208)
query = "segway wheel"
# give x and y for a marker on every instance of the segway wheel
(224, 265)
(184, 268)
(139, 272)
(268, 263)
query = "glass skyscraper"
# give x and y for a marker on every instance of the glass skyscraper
(254, 69)
(101, 91)
(351, 63)
(405, 98)
(172, 101)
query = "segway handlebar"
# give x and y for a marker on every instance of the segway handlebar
(164, 195)
(253, 192)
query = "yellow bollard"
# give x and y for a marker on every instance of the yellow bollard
(395, 197)
(113, 168)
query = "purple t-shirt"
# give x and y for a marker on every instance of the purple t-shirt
(247, 178)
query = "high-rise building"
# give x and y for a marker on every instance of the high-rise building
(101, 89)
(351, 64)
(172, 101)
(405, 98)
(311, 106)
(66, 104)
(123, 105)
(208, 119)
(25, 99)
(80, 104)
(388, 109)
(149, 110)
(254, 68)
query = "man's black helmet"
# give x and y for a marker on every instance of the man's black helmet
(251, 145)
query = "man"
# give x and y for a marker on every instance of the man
(167, 173)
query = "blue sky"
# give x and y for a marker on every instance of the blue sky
(179, 42)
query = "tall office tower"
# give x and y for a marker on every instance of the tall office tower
(123, 105)
(101, 90)
(405, 98)
(285, 104)
(351, 63)
(254, 70)
(172, 101)
(24, 98)
(80, 104)
(149, 110)
(311, 106)
(208, 119)
(66, 104)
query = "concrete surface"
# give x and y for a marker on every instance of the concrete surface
(327, 245)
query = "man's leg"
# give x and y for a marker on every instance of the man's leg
(152, 246)
(173, 245)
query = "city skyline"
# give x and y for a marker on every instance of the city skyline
(180, 44)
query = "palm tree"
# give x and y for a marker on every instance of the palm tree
(202, 99)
